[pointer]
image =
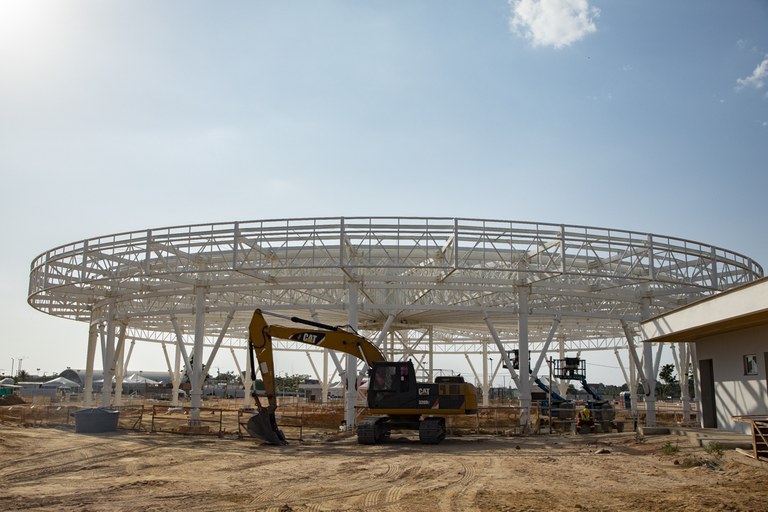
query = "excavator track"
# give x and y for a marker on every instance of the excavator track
(432, 430)
(373, 430)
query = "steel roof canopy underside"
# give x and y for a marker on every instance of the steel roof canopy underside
(449, 275)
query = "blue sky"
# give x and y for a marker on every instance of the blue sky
(641, 115)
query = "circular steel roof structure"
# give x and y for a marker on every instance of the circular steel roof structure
(449, 275)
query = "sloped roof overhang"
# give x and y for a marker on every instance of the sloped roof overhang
(738, 308)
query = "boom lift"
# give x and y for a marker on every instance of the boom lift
(601, 410)
(395, 399)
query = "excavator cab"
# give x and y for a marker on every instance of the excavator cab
(392, 386)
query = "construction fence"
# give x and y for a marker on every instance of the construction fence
(304, 420)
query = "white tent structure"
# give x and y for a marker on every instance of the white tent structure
(136, 378)
(60, 383)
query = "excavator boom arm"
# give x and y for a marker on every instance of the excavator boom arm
(260, 335)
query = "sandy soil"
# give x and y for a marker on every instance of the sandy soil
(57, 469)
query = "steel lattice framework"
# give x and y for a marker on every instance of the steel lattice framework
(441, 274)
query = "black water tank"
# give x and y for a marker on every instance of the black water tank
(95, 419)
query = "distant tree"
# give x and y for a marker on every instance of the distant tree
(670, 386)
(290, 383)
(23, 376)
(229, 377)
(613, 391)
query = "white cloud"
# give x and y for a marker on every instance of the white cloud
(757, 78)
(554, 23)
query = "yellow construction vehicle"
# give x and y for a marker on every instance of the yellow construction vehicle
(396, 401)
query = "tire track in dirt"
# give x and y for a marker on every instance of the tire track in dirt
(64, 453)
(373, 493)
(55, 467)
(385, 497)
(460, 493)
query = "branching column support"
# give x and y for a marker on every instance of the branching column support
(635, 366)
(384, 331)
(181, 356)
(196, 391)
(502, 350)
(245, 378)
(472, 369)
(93, 334)
(351, 361)
(525, 384)
(336, 363)
(545, 348)
(170, 371)
(127, 363)
(118, 366)
(627, 379)
(219, 340)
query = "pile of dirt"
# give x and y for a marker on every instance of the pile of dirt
(11, 400)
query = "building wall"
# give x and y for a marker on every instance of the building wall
(736, 393)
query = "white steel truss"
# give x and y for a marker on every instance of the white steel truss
(443, 274)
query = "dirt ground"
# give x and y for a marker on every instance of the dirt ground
(57, 469)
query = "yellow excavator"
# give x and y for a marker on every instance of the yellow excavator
(396, 401)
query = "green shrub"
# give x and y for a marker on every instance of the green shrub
(714, 449)
(670, 449)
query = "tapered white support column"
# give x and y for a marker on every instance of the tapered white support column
(176, 379)
(636, 373)
(696, 383)
(325, 383)
(431, 374)
(684, 374)
(650, 375)
(248, 401)
(351, 362)
(486, 384)
(108, 358)
(562, 384)
(93, 333)
(196, 391)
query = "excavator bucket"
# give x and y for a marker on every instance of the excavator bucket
(263, 425)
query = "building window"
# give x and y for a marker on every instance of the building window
(750, 364)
